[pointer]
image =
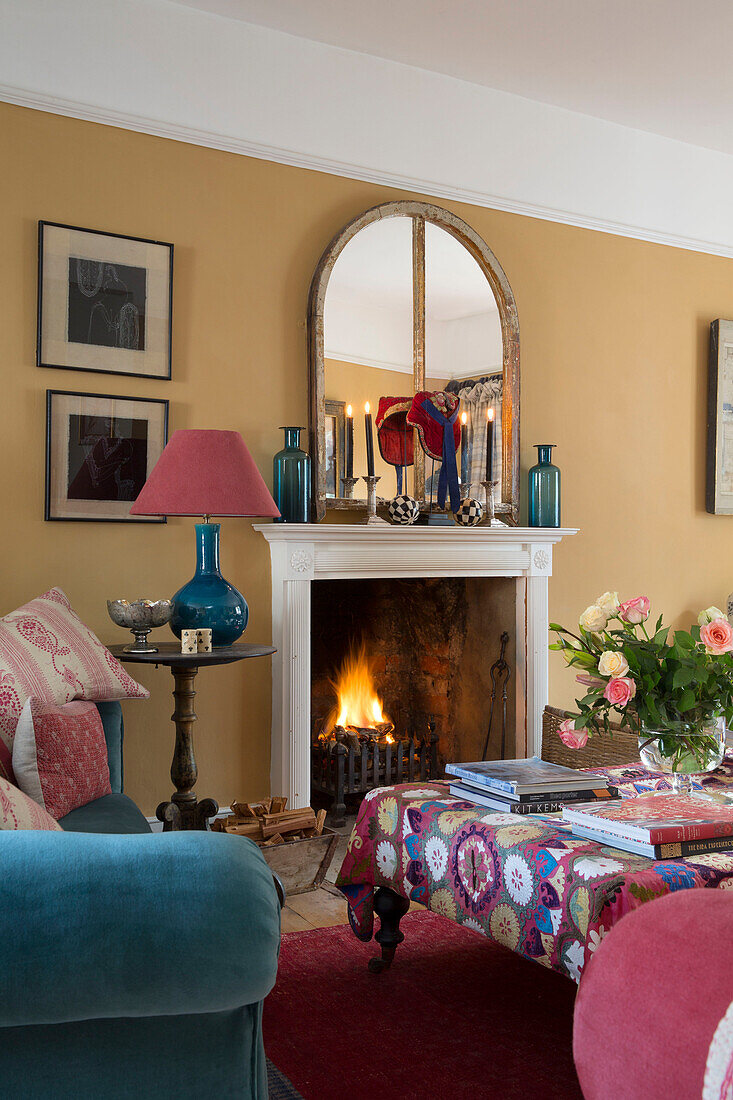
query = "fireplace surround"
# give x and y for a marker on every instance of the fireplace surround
(302, 554)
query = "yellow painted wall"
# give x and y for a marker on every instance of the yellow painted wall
(613, 349)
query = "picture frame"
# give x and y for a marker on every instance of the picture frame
(100, 450)
(719, 479)
(105, 302)
(335, 437)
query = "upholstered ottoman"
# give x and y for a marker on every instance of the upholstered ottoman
(650, 1015)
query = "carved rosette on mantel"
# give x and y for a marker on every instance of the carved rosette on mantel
(303, 553)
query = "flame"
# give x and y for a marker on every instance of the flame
(358, 703)
(464, 418)
(349, 410)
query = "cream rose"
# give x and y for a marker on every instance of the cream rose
(613, 664)
(709, 615)
(608, 602)
(594, 618)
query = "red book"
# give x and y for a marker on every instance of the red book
(655, 818)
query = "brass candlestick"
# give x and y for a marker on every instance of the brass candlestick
(348, 484)
(372, 518)
(489, 504)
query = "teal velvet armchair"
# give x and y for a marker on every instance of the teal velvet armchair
(133, 964)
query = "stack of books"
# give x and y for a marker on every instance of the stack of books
(660, 826)
(526, 786)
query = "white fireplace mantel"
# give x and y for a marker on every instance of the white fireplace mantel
(302, 553)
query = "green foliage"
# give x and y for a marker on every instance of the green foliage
(679, 686)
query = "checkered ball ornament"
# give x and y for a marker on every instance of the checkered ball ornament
(469, 512)
(403, 509)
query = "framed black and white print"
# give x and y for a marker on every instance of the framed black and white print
(104, 302)
(100, 450)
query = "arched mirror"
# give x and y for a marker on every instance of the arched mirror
(407, 298)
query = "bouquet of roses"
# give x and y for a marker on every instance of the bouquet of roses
(672, 685)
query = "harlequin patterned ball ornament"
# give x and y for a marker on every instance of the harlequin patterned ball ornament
(470, 512)
(403, 509)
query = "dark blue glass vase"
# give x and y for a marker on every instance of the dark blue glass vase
(208, 600)
(544, 490)
(291, 480)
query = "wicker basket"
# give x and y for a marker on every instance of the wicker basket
(600, 752)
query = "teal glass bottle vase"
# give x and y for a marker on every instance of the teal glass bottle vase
(544, 490)
(291, 479)
(208, 600)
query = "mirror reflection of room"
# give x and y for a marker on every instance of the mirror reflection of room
(370, 356)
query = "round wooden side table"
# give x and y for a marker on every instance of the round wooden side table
(184, 811)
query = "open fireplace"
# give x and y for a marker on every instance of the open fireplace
(430, 605)
(400, 679)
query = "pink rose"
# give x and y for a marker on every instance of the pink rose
(717, 637)
(620, 691)
(634, 611)
(574, 739)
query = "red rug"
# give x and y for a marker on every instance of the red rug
(457, 1016)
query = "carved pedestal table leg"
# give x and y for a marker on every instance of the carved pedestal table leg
(184, 811)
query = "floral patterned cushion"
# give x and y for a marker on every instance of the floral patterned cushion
(60, 755)
(47, 652)
(18, 811)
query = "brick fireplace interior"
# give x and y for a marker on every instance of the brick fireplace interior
(430, 645)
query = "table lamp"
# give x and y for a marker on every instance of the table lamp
(206, 472)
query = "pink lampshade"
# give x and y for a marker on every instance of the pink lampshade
(205, 472)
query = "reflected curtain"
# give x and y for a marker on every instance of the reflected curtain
(478, 395)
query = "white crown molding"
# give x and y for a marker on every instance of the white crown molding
(365, 361)
(296, 159)
(248, 90)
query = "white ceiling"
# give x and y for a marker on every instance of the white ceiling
(658, 65)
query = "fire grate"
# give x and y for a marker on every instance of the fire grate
(338, 769)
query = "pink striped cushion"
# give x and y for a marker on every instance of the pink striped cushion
(47, 652)
(18, 811)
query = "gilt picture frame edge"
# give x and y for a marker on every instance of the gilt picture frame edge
(42, 224)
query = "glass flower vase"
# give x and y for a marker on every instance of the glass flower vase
(683, 754)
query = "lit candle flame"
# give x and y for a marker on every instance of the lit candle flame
(464, 418)
(349, 410)
(490, 414)
(367, 408)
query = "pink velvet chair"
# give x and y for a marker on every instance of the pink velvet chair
(654, 1011)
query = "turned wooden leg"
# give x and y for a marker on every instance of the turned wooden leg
(390, 908)
(184, 811)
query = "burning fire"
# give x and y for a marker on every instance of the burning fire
(358, 705)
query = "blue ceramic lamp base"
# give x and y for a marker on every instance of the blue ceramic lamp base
(208, 600)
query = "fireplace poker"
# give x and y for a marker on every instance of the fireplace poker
(500, 673)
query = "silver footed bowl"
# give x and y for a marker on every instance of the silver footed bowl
(140, 616)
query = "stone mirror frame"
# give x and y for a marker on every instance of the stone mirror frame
(420, 213)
